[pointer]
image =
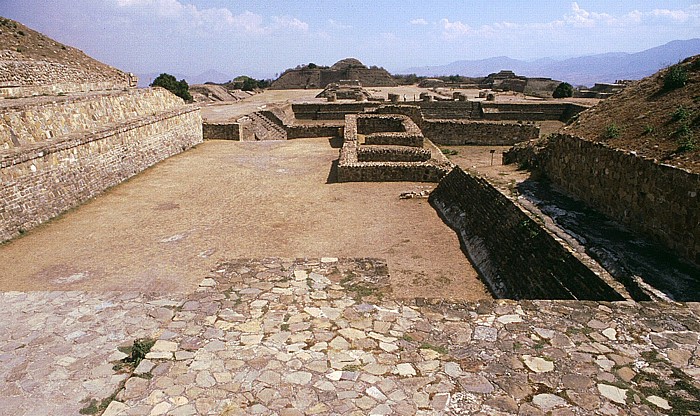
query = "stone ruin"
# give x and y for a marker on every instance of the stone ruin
(345, 69)
(345, 90)
(379, 147)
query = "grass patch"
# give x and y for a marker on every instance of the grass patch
(612, 131)
(437, 348)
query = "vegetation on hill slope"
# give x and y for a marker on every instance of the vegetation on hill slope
(657, 117)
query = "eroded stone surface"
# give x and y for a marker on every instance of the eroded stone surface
(324, 337)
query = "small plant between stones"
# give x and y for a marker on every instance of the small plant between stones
(612, 131)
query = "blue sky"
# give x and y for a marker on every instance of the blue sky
(262, 38)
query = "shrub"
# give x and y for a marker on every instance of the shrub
(681, 114)
(612, 131)
(563, 90)
(179, 88)
(676, 77)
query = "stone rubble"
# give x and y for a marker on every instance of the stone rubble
(323, 336)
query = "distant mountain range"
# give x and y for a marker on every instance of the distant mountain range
(584, 70)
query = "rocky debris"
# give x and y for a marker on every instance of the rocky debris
(323, 336)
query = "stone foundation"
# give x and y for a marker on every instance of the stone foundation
(515, 256)
(352, 169)
(652, 198)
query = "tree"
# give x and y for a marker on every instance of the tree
(179, 88)
(563, 90)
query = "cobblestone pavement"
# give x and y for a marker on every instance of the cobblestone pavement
(323, 336)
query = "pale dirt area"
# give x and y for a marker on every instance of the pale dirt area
(479, 161)
(165, 229)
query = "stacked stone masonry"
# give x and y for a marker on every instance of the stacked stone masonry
(221, 131)
(515, 256)
(22, 78)
(293, 337)
(652, 198)
(352, 169)
(367, 153)
(42, 179)
(44, 118)
(459, 132)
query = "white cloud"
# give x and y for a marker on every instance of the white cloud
(577, 19)
(338, 25)
(419, 22)
(287, 22)
(220, 19)
(452, 30)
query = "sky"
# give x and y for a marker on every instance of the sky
(262, 38)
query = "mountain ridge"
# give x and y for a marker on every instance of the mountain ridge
(581, 70)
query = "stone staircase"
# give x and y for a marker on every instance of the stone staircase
(266, 129)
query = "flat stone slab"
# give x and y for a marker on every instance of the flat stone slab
(258, 339)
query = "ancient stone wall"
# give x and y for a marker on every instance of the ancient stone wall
(377, 123)
(462, 132)
(529, 111)
(221, 131)
(395, 138)
(514, 255)
(41, 180)
(351, 169)
(298, 131)
(38, 119)
(20, 77)
(330, 111)
(655, 199)
(392, 154)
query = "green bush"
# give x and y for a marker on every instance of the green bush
(681, 114)
(563, 90)
(676, 77)
(612, 131)
(179, 88)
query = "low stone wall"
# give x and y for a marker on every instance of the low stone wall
(41, 180)
(541, 111)
(395, 138)
(392, 154)
(221, 131)
(655, 199)
(514, 255)
(298, 131)
(380, 123)
(460, 132)
(351, 169)
(330, 111)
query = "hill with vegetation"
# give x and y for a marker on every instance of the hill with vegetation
(657, 117)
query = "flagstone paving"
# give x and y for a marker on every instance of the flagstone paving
(324, 336)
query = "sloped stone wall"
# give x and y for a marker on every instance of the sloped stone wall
(39, 119)
(39, 181)
(655, 199)
(514, 255)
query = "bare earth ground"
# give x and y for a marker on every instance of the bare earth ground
(163, 230)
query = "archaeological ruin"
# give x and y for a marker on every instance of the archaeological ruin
(352, 251)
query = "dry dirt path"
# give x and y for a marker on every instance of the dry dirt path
(163, 230)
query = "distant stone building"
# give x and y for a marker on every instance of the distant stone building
(312, 76)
